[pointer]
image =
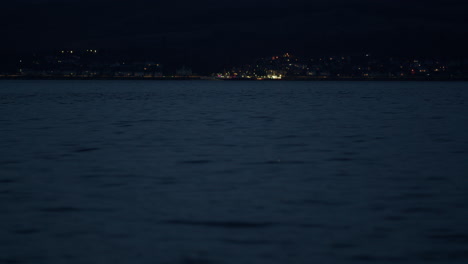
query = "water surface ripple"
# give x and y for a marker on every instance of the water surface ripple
(233, 172)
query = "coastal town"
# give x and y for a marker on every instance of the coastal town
(95, 64)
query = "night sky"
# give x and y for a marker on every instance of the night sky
(211, 34)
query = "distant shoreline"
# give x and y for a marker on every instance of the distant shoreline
(205, 78)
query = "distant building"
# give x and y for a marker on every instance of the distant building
(184, 71)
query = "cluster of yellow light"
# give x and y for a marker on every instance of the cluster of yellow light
(274, 77)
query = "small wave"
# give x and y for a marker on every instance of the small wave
(195, 161)
(86, 150)
(451, 238)
(313, 202)
(63, 209)
(247, 241)
(26, 231)
(221, 224)
(340, 159)
(7, 181)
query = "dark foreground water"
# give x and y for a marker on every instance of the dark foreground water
(233, 172)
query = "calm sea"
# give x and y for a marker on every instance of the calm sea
(207, 172)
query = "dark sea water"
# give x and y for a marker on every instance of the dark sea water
(194, 172)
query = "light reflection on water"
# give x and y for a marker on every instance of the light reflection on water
(233, 172)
